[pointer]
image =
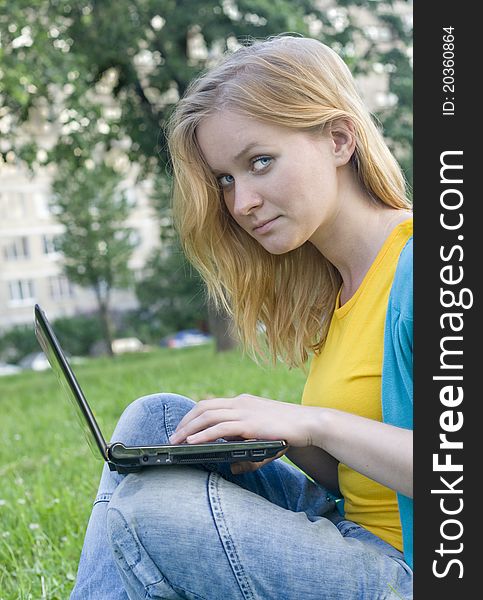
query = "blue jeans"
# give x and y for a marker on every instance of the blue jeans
(201, 533)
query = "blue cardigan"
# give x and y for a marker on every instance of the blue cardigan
(397, 372)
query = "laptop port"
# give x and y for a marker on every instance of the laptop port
(238, 453)
(258, 452)
(145, 458)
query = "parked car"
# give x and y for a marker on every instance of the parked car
(37, 361)
(185, 338)
(7, 369)
(118, 346)
(131, 344)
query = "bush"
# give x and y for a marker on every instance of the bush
(17, 343)
(171, 297)
(78, 334)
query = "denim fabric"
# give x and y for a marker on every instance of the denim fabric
(199, 532)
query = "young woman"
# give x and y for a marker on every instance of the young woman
(289, 203)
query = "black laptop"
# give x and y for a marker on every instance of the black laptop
(126, 459)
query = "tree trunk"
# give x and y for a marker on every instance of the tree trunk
(105, 320)
(222, 328)
(106, 327)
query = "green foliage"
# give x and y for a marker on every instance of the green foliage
(397, 121)
(54, 54)
(77, 334)
(95, 244)
(171, 295)
(17, 342)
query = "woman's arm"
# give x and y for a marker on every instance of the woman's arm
(318, 464)
(377, 450)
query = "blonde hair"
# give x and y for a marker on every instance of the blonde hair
(298, 83)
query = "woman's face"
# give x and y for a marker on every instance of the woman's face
(279, 184)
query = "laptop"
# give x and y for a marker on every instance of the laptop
(126, 459)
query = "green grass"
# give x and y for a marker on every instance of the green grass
(45, 500)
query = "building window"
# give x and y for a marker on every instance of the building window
(13, 205)
(60, 288)
(17, 249)
(50, 244)
(41, 205)
(21, 291)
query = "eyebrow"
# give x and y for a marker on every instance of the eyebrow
(240, 154)
(246, 149)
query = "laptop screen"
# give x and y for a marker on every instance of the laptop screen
(58, 361)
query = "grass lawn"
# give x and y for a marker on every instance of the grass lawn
(45, 500)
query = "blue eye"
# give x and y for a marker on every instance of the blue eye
(263, 163)
(257, 165)
(226, 180)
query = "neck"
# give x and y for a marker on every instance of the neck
(354, 237)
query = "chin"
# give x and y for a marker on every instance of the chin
(280, 247)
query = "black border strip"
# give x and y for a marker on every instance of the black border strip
(444, 565)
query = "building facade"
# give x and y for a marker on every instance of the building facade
(30, 264)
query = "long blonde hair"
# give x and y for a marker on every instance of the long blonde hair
(299, 83)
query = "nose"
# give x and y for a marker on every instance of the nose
(246, 199)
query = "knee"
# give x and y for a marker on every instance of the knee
(157, 504)
(156, 405)
(151, 419)
(156, 522)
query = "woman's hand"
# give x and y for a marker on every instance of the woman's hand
(246, 466)
(246, 417)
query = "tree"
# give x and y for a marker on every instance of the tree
(146, 52)
(387, 49)
(96, 243)
(170, 294)
(143, 53)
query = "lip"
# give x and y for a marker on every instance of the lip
(265, 225)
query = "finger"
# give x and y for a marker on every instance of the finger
(243, 467)
(248, 466)
(202, 422)
(266, 461)
(281, 453)
(262, 463)
(221, 430)
(200, 408)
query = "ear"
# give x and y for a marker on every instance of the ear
(343, 134)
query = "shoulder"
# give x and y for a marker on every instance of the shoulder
(401, 297)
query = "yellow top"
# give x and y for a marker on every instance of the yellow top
(346, 375)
